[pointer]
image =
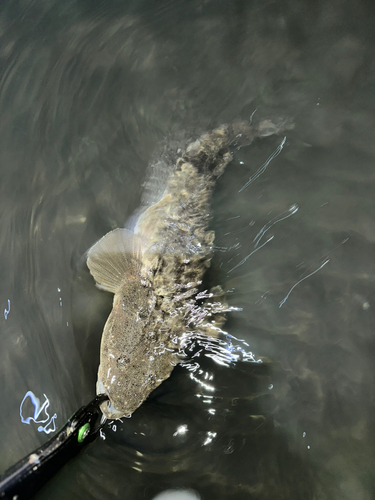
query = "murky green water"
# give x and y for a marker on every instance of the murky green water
(87, 95)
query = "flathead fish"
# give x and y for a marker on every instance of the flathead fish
(155, 270)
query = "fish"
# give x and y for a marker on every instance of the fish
(155, 270)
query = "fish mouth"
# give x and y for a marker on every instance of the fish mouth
(107, 407)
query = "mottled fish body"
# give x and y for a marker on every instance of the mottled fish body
(155, 271)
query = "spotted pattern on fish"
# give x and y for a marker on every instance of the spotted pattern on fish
(155, 272)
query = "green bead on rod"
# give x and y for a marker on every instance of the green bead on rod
(83, 432)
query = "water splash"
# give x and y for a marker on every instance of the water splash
(224, 351)
(298, 282)
(262, 169)
(38, 410)
(285, 215)
(250, 254)
(291, 211)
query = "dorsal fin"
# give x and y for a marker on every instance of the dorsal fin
(115, 259)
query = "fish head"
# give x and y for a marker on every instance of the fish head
(134, 360)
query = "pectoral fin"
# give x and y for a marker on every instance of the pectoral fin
(115, 259)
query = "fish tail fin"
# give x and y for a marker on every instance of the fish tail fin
(115, 259)
(244, 133)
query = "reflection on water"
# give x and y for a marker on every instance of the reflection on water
(7, 310)
(89, 96)
(300, 281)
(262, 169)
(38, 409)
(180, 494)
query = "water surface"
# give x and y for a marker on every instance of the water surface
(89, 94)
